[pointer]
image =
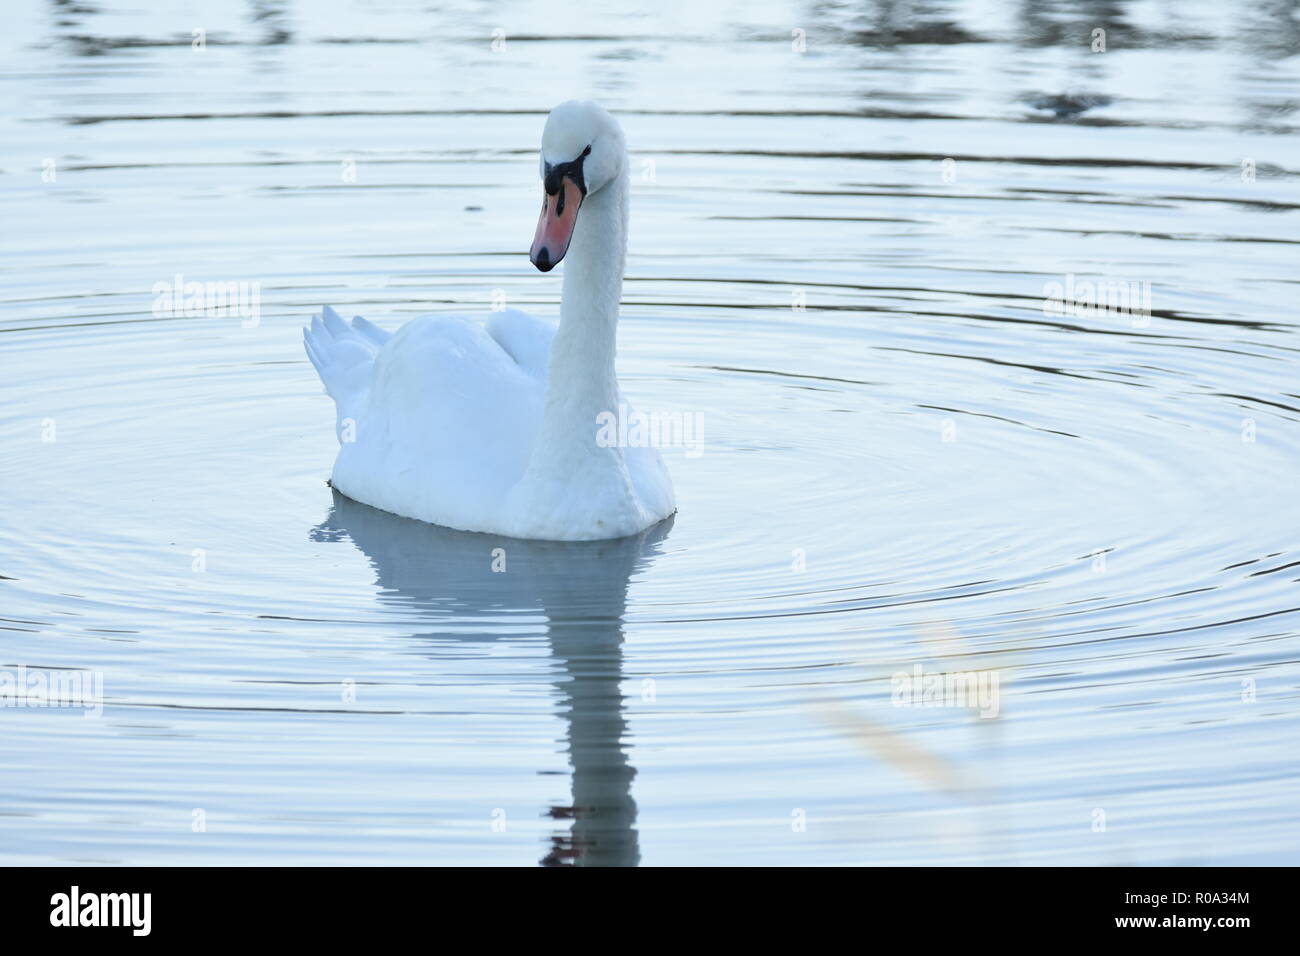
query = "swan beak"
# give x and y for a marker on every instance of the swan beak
(555, 227)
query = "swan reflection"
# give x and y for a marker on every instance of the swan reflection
(581, 590)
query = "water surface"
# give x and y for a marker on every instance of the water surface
(839, 260)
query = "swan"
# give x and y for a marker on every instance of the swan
(494, 426)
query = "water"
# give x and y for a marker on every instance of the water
(906, 462)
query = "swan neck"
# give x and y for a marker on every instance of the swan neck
(581, 381)
(593, 271)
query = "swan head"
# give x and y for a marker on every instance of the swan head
(582, 151)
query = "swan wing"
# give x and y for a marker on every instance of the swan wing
(524, 338)
(447, 418)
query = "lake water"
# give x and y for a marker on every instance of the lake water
(862, 242)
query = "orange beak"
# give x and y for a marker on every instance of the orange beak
(555, 227)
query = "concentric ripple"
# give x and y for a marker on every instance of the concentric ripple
(840, 265)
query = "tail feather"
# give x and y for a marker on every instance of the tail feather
(371, 331)
(343, 355)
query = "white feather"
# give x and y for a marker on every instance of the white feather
(493, 426)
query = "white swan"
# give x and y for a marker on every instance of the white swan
(494, 427)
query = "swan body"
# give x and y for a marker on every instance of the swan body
(493, 426)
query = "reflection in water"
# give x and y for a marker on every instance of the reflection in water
(581, 589)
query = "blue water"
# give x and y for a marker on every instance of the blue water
(841, 261)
